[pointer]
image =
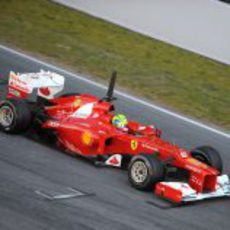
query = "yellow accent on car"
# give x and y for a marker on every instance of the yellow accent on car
(134, 144)
(77, 102)
(86, 138)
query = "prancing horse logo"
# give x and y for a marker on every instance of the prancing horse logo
(134, 144)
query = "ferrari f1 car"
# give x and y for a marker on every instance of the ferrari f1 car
(83, 124)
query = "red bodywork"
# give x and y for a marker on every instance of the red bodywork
(83, 126)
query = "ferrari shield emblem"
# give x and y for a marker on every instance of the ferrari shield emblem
(134, 144)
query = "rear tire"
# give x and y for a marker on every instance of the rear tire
(145, 171)
(15, 116)
(209, 156)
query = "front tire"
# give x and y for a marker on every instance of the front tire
(209, 156)
(145, 171)
(15, 116)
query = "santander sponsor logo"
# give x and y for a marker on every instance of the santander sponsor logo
(114, 160)
(45, 91)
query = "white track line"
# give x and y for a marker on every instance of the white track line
(173, 114)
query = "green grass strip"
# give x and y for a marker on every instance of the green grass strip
(165, 74)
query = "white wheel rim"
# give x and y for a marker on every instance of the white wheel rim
(139, 172)
(6, 116)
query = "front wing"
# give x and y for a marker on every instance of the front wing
(181, 192)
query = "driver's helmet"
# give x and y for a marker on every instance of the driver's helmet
(119, 121)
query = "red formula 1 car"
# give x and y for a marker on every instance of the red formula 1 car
(83, 124)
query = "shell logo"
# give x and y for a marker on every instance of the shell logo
(134, 144)
(77, 102)
(86, 138)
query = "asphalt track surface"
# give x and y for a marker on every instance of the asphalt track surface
(27, 166)
(201, 26)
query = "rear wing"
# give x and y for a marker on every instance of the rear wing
(46, 83)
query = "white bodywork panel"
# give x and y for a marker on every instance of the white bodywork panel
(84, 111)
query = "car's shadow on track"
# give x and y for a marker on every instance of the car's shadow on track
(165, 204)
(32, 136)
